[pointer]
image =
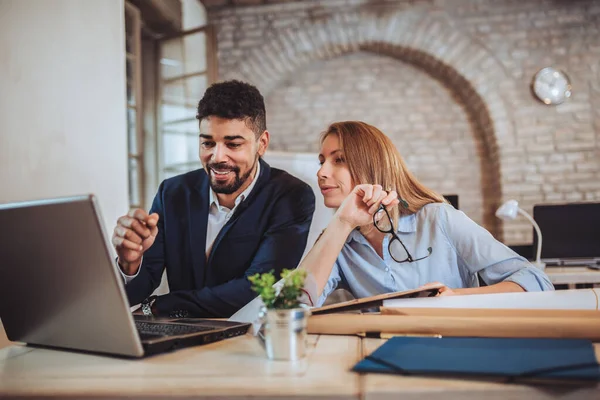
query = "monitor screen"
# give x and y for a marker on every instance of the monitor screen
(452, 199)
(568, 230)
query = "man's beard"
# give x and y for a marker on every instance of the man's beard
(238, 181)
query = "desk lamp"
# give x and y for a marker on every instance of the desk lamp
(508, 211)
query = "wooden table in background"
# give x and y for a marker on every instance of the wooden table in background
(238, 368)
(572, 275)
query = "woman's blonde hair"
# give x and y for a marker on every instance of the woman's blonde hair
(372, 158)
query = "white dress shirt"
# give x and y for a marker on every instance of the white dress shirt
(218, 216)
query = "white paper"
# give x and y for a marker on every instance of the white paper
(249, 314)
(578, 299)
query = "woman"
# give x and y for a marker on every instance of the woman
(390, 233)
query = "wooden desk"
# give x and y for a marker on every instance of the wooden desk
(572, 275)
(232, 368)
(238, 368)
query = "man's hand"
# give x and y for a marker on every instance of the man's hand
(133, 235)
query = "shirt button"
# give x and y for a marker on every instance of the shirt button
(387, 269)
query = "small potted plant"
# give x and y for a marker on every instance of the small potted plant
(284, 319)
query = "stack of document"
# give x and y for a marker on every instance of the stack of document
(569, 314)
(577, 299)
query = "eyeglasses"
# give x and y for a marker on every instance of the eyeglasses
(396, 248)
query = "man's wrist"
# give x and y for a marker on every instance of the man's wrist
(129, 268)
(148, 308)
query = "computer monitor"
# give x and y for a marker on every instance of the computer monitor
(569, 231)
(452, 199)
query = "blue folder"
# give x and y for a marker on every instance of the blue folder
(508, 358)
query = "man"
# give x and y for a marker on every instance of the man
(213, 227)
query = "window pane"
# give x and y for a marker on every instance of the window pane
(133, 110)
(195, 88)
(129, 67)
(177, 170)
(189, 126)
(130, 94)
(170, 174)
(193, 14)
(171, 63)
(193, 148)
(184, 55)
(183, 81)
(134, 180)
(174, 149)
(195, 52)
(180, 152)
(172, 112)
(184, 92)
(174, 93)
(132, 131)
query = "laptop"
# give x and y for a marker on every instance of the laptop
(570, 233)
(60, 286)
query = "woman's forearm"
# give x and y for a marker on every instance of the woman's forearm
(500, 287)
(320, 259)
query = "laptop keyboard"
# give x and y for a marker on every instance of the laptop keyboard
(157, 329)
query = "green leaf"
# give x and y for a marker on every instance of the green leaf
(293, 282)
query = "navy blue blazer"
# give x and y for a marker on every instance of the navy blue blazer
(268, 231)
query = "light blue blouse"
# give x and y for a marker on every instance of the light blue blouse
(461, 249)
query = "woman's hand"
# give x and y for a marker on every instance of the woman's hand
(500, 287)
(364, 200)
(443, 291)
(446, 291)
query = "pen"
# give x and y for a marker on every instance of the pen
(388, 335)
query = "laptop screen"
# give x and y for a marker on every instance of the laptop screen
(568, 230)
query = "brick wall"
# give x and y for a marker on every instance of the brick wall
(429, 128)
(449, 81)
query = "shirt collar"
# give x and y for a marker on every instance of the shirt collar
(213, 199)
(406, 224)
(356, 236)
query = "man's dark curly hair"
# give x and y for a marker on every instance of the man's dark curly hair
(234, 100)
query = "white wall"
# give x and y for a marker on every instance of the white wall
(62, 101)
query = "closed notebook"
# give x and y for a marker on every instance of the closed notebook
(512, 359)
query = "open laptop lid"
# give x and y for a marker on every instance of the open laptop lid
(376, 301)
(59, 284)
